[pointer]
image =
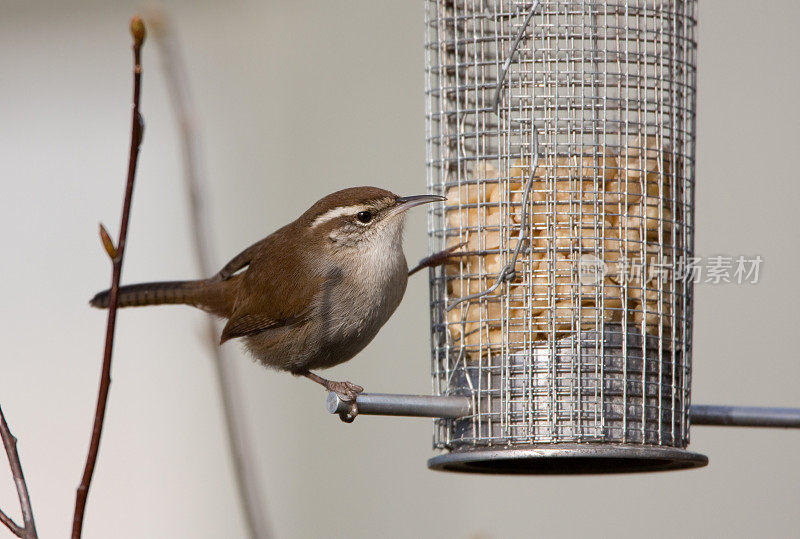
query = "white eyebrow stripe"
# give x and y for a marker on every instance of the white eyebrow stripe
(337, 212)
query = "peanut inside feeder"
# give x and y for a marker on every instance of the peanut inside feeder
(600, 231)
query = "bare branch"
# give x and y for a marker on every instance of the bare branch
(244, 463)
(28, 531)
(137, 128)
(10, 524)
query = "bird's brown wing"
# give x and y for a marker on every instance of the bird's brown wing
(273, 291)
(238, 262)
(247, 324)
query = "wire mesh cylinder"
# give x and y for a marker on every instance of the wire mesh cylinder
(562, 133)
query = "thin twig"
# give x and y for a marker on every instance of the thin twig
(239, 439)
(28, 530)
(10, 524)
(137, 128)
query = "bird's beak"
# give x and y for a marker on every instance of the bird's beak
(406, 203)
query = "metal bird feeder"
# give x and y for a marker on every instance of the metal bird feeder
(563, 135)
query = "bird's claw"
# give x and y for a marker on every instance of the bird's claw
(350, 415)
(348, 392)
(437, 259)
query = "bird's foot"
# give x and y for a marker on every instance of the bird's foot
(440, 258)
(348, 392)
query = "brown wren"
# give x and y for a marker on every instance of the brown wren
(310, 295)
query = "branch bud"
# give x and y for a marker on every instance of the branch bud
(108, 243)
(138, 31)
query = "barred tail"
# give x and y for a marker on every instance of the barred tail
(203, 294)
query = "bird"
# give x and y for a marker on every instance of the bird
(310, 295)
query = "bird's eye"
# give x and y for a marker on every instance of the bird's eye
(364, 216)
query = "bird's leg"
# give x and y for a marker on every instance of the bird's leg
(347, 391)
(437, 259)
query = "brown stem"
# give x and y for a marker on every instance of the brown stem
(28, 531)
(10, 524)
(238, 437)
(137, 127)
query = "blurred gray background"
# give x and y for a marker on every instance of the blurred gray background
(298, 99)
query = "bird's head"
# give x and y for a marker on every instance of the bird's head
(360, 216)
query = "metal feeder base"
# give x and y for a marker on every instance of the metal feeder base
(564, 459)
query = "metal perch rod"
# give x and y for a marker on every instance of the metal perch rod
(454, 407)
(403, 405)
(745, 416)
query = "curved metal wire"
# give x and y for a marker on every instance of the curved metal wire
(508, 271)
(510, 58)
